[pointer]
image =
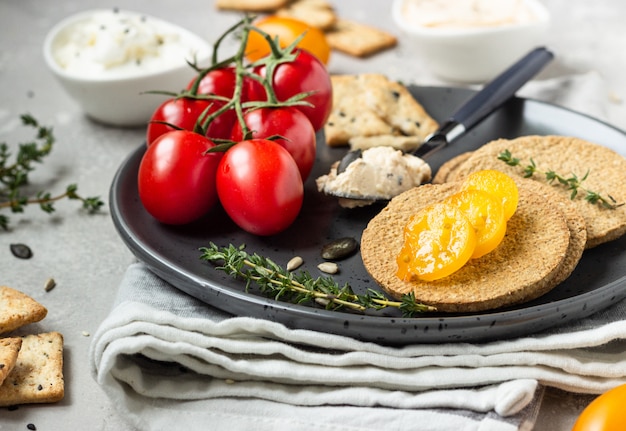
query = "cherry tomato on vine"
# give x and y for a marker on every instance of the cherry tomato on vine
(218, 81)
(259, 186)
(176, 177)
(183, 112)
(305, 74)
(221, 82)
(287, 30)
(605, 413)
(290, 124)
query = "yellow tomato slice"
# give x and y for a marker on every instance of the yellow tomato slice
(438, 241)
(496, 183)
(486, 214)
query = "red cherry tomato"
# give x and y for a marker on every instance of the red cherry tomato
(176, 177)
(259, 186)
(218, 81)
(306, 73)
(291, 124)
(221, 82)
(605, 413)
(183, 112)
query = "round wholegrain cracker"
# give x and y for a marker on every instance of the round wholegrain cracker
(567, 156)
(523, 267)
(446, 170)
(574, 220)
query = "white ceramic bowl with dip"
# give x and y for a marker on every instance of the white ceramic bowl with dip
(105, 59)
(471, 41)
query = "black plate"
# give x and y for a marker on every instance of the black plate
(172, 252)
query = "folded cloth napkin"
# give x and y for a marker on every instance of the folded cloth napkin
(168, 361)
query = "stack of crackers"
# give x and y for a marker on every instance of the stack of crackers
(31, 366)
(350, 37)
(545, 238)
(370, 110)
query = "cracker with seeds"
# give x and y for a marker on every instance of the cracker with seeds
(251, 5)
(38, 373)
(18, 309)
(316, 13)
(357, 39)
(369, 106)
(9, 348)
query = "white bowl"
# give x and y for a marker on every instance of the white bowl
(473, 54)
(113, 94)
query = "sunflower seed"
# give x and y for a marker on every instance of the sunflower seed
(50, 284)
(294, 263)
(328, 267)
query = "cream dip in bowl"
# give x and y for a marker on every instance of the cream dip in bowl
(471, 41)
(105, 59)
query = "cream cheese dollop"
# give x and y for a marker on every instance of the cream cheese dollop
(115, 43)
(380, 174)
(466, 13)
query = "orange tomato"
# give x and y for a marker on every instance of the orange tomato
(486, 214)
(605, 413)
(497, 183)
(287, 30)
(438, 241)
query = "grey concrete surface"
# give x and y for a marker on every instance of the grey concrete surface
(84, 254)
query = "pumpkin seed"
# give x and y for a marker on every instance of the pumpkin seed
(21, 251)
(339, 248)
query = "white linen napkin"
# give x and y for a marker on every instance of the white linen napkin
(168, 361)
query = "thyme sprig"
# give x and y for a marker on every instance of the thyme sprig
(573, 183)
(14, 175)
(300, 287)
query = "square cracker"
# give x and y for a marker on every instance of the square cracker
(316, 13)
(9, 349)
(18, 309)
(38, 373)
(371, 105)
(359, 40)
(251, 5)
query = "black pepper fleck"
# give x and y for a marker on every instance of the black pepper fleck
(31, 427)
(39, 388)
(395, 95)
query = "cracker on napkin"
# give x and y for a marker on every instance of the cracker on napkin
(357, 39)
(18, 309)
(37, 376)
(374, 107)
(9, 349)
(316, 13)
